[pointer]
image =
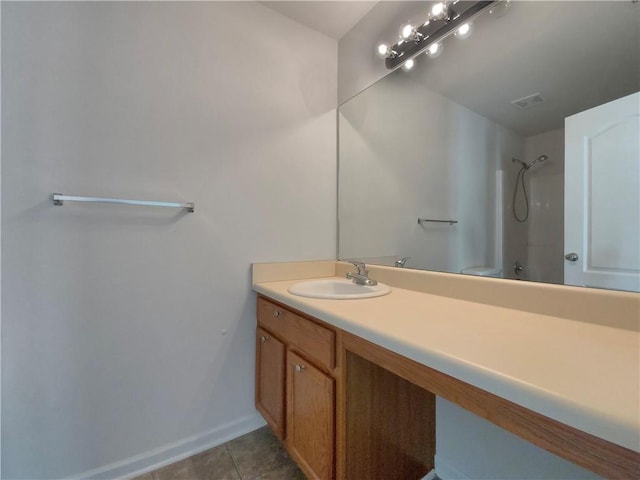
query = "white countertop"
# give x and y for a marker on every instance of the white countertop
(581, 374)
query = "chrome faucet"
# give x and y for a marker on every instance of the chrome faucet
(402, 262)
(518, 268)
(361, 278)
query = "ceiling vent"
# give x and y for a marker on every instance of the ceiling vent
(528, 101)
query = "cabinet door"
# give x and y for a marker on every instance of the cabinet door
(310, 418)
(270, 380)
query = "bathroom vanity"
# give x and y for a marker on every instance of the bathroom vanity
(349, 386)
(300, 391)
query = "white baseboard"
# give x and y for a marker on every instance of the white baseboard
(430, 476)
(446, 471)
(173, 452)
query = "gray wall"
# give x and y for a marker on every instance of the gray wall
(128, 331)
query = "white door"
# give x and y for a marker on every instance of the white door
(602, 196)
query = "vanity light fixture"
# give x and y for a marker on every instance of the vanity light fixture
(449, 17)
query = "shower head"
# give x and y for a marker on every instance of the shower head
(540, 159)
(527, 166)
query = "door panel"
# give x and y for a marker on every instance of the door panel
(602, 199)
(270, 380)
(310, 417)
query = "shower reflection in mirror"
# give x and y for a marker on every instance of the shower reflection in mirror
(520, 180)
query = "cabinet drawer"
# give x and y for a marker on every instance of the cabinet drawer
(272, 317)
(312, 339)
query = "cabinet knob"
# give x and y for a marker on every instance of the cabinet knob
(263, 338)
(299, 368)
(276, 313)
(572, 257)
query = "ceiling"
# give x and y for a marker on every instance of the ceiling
(575, 54)
(333, 18)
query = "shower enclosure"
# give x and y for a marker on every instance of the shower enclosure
(533, 210)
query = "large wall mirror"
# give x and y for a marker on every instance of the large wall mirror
(514, 153)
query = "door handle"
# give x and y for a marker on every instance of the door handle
(572, 257)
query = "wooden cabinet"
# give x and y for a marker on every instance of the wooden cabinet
(295, 386)
(270, 380)
(340, 415)
(349, 409)
(310, 417)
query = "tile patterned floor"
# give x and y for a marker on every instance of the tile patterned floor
(255, 456)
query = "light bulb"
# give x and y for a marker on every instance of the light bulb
(406, 31)
(385, 51)
(408, 65)
(434, 50)
(463, 31)
(437, 10)
(382, 50)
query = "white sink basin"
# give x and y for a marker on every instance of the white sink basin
(337, 289)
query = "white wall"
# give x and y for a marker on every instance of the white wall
(0, 251)
(467, 446)
(129, 329)
(408, 153)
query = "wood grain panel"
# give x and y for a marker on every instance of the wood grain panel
(316, 341)
(271, 317)
(270, 380)
(341, 408)
(598, 455)
(310, 418)
(390, 424)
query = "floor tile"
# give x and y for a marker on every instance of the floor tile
(146, 476)
(286, 471)
(257, 452)
(213, 464)
(175, 471)
(258, 455)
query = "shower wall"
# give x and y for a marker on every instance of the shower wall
(538, 244)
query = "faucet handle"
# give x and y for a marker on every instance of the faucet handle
(402, 262)
(362, 268)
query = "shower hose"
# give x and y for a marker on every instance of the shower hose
(520, 179)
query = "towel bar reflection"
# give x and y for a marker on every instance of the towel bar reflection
(424, 220)
(59, 198)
